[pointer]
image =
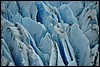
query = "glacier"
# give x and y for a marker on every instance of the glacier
(49, 33)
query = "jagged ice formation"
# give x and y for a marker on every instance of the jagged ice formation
(49, 33)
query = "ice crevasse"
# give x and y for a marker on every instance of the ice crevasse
(49, 33)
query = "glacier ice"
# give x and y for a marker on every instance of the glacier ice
(67, 14)
(49, 33)
(76, 7)
(78, 45)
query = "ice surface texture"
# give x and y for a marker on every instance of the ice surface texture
(47, 33)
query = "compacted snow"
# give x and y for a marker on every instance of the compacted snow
(49, 33)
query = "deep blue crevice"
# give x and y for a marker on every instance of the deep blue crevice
(69, 52)
(60, 45)
(38, 52)
(38, 17)
(31, 43)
